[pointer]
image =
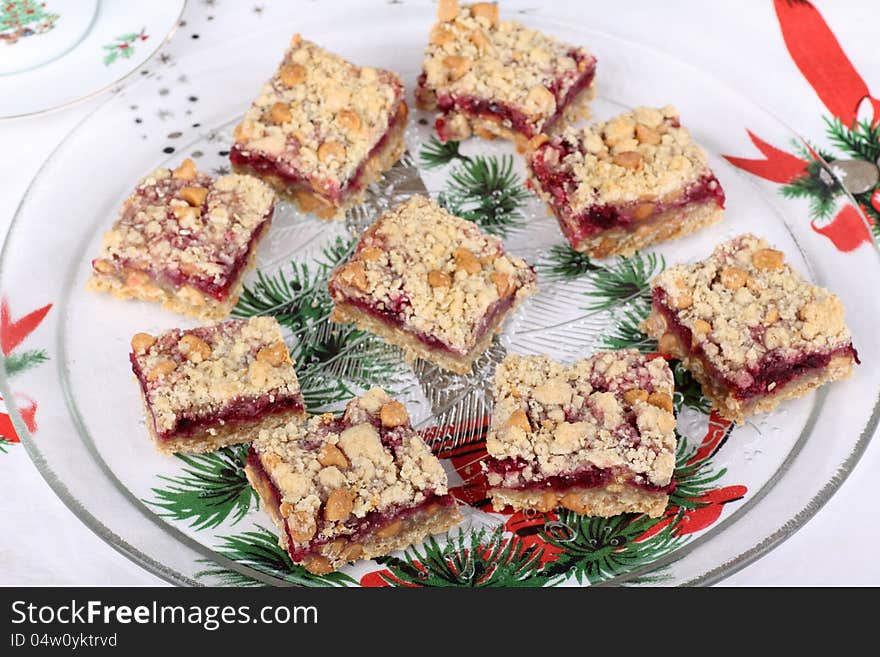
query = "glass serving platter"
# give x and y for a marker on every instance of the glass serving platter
(195, 521)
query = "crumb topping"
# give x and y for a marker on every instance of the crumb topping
(196, 373)
(320, 116)
(744, 302)
(471, 53)
(642, 155)
(437, 272)
(331, 469)
(183, 225)
(612, 410)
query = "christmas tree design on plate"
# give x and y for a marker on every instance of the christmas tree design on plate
(24, 18)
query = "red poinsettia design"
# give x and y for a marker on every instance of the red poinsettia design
(821, 60)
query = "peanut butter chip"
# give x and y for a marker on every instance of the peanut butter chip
(466, 261)
(628, 159)
(194, 348)
(503, 283)
(487, 10)
(668, 344)
(339, 505)
(186, 170)
(734, 278)
(643, 211)
(354, 274)
(349, 119)
(447, 10)
(186, 213)
(275, 355)
(302, 526)
(280, 113)
(331, 150)
(702, 326)
(292, 74)
(194, 195)
(647, 135)
(437, 278)
(519, 419)
(661, 400)
(371, 254)
(458, 66)
(537, 141)
(140, 342)
(768, 259)
(103, 266)
(161, 369)
(332, 455)
(635, 395)
(393, 414)
(317, 565)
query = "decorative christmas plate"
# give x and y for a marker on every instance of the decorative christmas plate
(195, 520)
(55, 53)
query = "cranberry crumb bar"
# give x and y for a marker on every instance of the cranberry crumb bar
(356, 486)
(431, 283)
(215, 385)
(596, 436)
(185, 240)
(749, 328)
(322, 129)
(617, 186)
(498, 78)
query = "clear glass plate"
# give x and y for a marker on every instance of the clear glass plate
(195, 521)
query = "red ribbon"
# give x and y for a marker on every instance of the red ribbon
(821, 60)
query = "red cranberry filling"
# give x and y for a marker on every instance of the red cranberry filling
(773, 368)
(394, 316)
(332, 192)
(588, 477)
(246, 410)
(560, 184)
(518, 120)
(363, 528)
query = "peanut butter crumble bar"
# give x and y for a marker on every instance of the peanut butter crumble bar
(185, 240)
(749, 328)
(619, 185)
(596, 436)
(497, 78)
(431, 283)
(352, 487)
(216, 385)
(322, 129)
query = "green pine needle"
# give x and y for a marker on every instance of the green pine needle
(473, 559)
(563, 263)
(626, 280)
(4, 445)
(861, 141)
(260, 550)
(212, 488)
(333, 362)
(626, 333)
(688, 391)
(692, 479)
(488, 192)
(810, 186)
(596, 549)
(24, 360)
(435, 154)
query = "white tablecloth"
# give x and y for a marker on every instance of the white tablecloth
(43, 543)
